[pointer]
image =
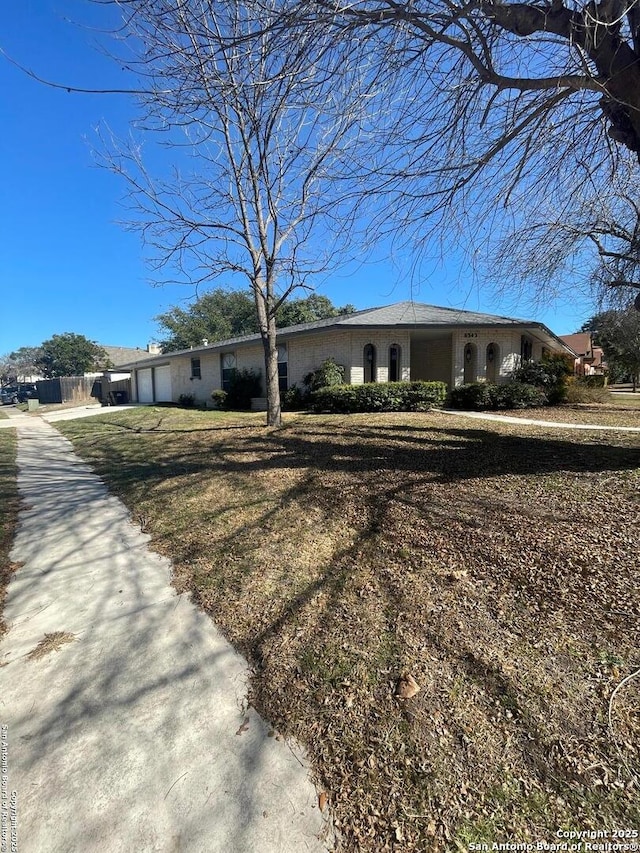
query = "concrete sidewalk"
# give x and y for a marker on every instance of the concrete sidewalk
(135, 735)
(508, 419)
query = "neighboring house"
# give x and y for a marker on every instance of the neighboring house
(120, 355)
(589, 358)
(105, 384)
(405, 341)
(112, 385)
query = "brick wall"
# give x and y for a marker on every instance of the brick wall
(347, 346)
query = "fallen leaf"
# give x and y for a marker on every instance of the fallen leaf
(244, 726)
(407, 687)
(323, 799)
(458, 575)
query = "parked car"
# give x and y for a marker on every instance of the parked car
(19, 393)
(8, 396)
(27, 391)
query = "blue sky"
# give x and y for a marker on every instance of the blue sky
(67, 265)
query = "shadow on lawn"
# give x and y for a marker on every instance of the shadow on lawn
(444, 455)
(384, 465)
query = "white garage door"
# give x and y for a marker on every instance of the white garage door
(163, 384)
(145, 386)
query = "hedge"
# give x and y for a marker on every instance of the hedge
(597, 380)
(379, 397)
(478, 396)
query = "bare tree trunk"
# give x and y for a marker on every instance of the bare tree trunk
(274, 412)
(265, 307)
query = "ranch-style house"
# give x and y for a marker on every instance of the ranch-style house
(404, 341)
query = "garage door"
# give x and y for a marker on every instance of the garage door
(163, 384)
(145, 386)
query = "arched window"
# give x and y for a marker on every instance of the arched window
(470, 363)
(394, 363)
(370, 363)
(493, 363)
(228, 368)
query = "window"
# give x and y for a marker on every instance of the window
(196, 373)
(470, 364)
(394, 363)
(526, 348)
(282, 367)
(227, 368)
(493, 362)
(369, 363)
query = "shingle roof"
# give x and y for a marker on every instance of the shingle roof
(580, 342)
(402, 314)
(416, 313)
(126, 355)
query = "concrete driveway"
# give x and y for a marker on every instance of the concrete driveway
(133, 734)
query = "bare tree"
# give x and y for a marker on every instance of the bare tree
(593, 240)
(254, 118)
(503, 111)
(20, 365)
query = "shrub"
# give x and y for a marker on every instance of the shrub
(187, 401)
(294, 399)
(340, 399)
(598, 380)
(379, 397)
(480, 396)
(374, 397)
(422, 396)
(517, 395)
(550, 374)
(472, 396)
(243, 386)
(581, 392)
(219, 398)
(328, 375)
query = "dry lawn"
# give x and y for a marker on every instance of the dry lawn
(495, 564)
(619, 410)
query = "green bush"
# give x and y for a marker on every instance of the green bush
(187, 401)
(328, 375)
(482, 396)
(379, 397)
(293, 399)
(474, 396)
(243, 386)
(551, 374)
(517, 395)
(219, 398)
(340, 399)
